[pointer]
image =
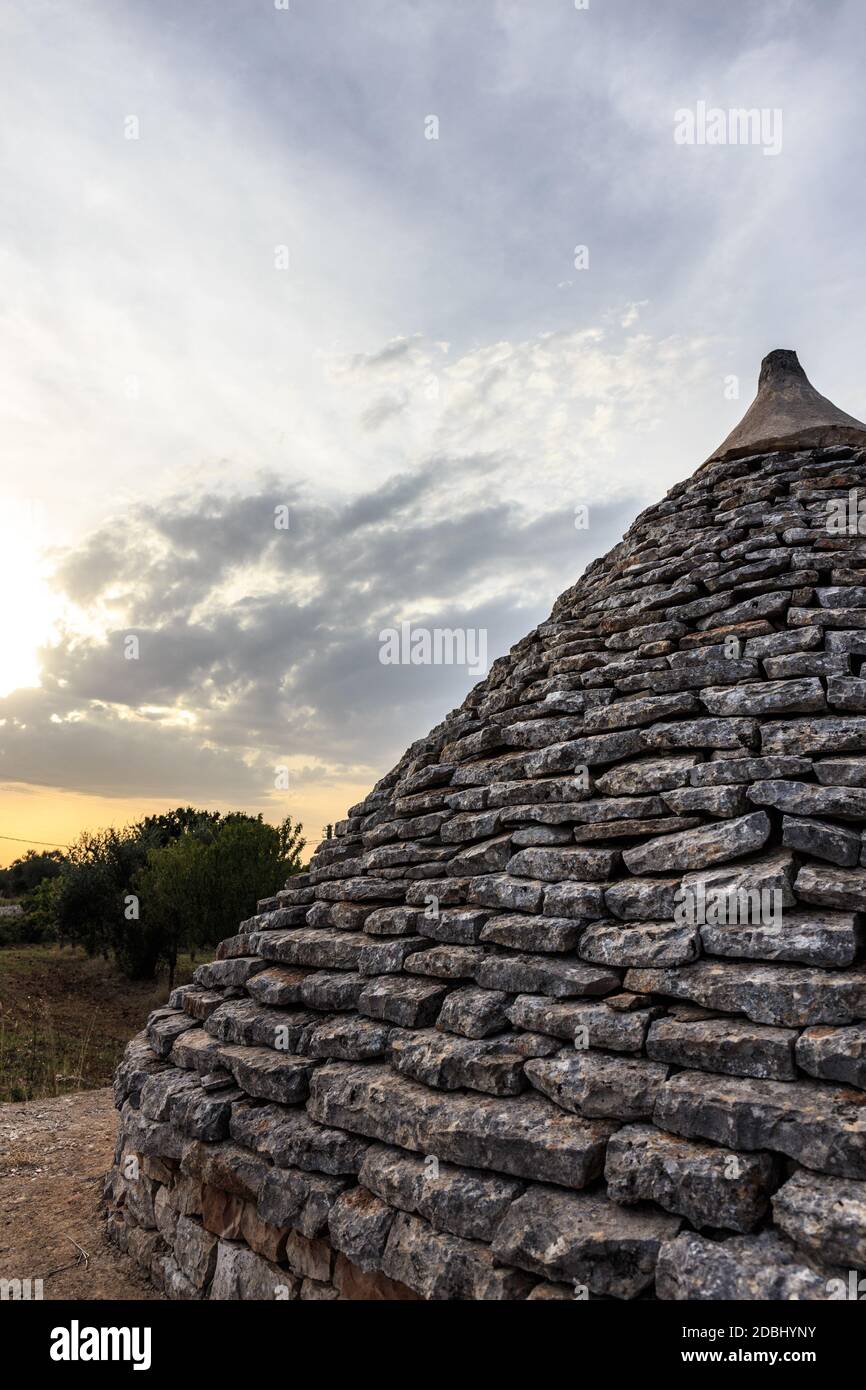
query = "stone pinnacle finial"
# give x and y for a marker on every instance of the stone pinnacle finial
(788, 413)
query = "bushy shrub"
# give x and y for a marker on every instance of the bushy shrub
(170, 883)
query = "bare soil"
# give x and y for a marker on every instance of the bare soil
(53, 1156)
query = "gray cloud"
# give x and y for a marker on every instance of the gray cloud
(287, 665)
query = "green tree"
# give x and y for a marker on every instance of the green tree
(27, 872)
(195, 890)
(178, 881)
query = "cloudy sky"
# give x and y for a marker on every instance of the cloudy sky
(237, 275)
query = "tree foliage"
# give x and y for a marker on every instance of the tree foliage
(170, 883)
(28, 871)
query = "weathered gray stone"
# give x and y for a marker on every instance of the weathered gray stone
(447, 892)
(742, 1269)
(525, 933)
(822, 1127)
(165, 1272)
(332, 990)
(842, 888)
(601, 811)
(228, 1167)
(599, 1086)
(563, 979)
(362, 890)
(464, 1201)
(467, 826)
(723, 771)
(788, 995)
(325, 949)
(769, 873)
(241, 1275)
(695, 849)
(598, 1025)
(778, 643)
(726, 1045)
(846, 692)
(350, 1039)
(243, 1021)
(824, 1216)
(456, 926)
(840, 772)
(387, 957)
(582, 901)
(451, 1063)
(291, 1197)
(164, 1027)
(490, 857)
(438, 1265)
(710, 801)
(291, 1139)
(159, 1090)
(525, 1135)
(834, 1054)
(647, 775)
(738, 734)
(831, 842)
(832, 734)
(585, 752)
(551, 865)
(202, 1115)
(639, 944)
(195, 1251)
(474, 1013)
(393, 921)
(583, 1238)
(268, 1074)
(707, 1185)
(798, 798)
(410, 1003)
(507, 894)
(227, 974)
(642, 899)
(799, 696)
(277, 986)
(632, 829)
(648, 709)
(446, 962)
(810, 936)
(358, 1224)
(196, 1050)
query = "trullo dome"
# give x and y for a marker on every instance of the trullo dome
(575, 1002)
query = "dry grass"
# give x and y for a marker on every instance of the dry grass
(65, 1019)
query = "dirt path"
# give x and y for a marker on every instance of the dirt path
(53, 1155)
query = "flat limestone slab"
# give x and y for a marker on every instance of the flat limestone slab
(788, 995)
(742, 1269)
(710, 1186)
(269, 1075)
(822, 1126)
(824, 1216)
(525, 1136)
(727, 1045)
(583, 1238)
(594, 1084)
(697, 849)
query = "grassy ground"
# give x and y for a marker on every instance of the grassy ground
(65, 1019)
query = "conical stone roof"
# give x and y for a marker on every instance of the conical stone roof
(575, 1001)
(789, 413)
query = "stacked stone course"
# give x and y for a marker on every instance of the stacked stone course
(477, 1051)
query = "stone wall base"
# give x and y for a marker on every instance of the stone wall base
(195, 1241)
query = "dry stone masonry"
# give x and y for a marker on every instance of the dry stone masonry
(574, 1004)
